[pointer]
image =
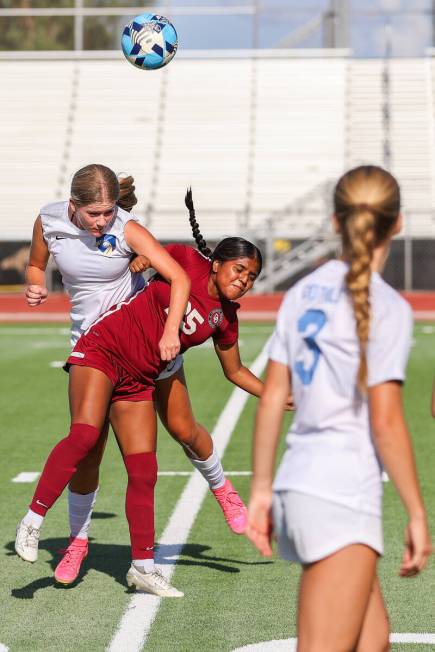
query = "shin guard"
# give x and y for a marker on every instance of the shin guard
(62, 464)
(139, 502)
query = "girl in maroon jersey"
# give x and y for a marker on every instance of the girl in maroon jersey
(117, 361)
(171, 394)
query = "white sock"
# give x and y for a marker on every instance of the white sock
(80, 508)
(211, 469)
(33, 519)
(144, 565)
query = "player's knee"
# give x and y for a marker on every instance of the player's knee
(380, 642)
(141, 470)
(83, 437)
(184, 433)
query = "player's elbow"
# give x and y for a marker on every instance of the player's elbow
(383, 426)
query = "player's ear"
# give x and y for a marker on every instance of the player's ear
(335, 223)
(215, 266)
(72, 206)
(398, 225)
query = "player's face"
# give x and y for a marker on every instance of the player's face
(233, 278)
(94, 217)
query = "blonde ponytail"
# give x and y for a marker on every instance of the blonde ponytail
(127, 199)
(367, 205)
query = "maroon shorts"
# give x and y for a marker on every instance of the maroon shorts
(125, 388)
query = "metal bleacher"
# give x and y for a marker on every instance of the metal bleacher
(249, 135)
(256, 137)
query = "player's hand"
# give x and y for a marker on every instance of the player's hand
(35, 295)
(169, 346)
(259, 529)
(139, 264)
(418, 547)
(289, 406)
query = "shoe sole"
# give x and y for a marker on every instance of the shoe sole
(29, 561)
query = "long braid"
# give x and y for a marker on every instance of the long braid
(200, 242)
(367, 206)
(361, 235)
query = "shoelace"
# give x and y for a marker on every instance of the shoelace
(161, 580)
(31, 537)
(234, 500)
(71, 554)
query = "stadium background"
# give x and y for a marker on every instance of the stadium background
(265, 104)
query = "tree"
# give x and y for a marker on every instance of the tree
(57, 32)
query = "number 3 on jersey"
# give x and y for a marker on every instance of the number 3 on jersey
(310, 324)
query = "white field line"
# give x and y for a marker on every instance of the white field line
(31, 476)
(187, 473)
(39, 330)
(26, 476)
(289, 644)
(142, 609)
(3, 648)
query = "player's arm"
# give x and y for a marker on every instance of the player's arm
(36, 292)
(143, 243)
(393, 443)
(235, 371)
(268, 423)
(238, 374)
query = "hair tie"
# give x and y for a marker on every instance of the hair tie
(364, 207)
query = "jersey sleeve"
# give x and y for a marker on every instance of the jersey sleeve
(230, 333)
(278, 348)
(389, 343)
(183, 254)
(122, 218)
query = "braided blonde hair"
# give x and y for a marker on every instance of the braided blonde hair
(366, 205)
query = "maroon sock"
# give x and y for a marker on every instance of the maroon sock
(61, 465)
(139, 503)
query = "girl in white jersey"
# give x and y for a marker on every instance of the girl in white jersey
(341, 341)
(95, 271)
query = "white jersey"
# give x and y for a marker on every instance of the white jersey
(330, 452)
(94, 271)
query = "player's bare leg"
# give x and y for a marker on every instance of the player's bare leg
(89, 391)
(375, 632)
(135, 427)
(175, 411)
(334, 596)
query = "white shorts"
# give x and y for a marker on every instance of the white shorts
(308, 528)
(172, 368)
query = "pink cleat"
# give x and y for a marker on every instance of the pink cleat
(68, 568)
(233, 507)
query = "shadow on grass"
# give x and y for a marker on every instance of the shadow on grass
(114, 560)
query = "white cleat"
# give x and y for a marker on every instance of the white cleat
(153, 582)
(26, 542)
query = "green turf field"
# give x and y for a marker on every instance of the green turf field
(232, 596)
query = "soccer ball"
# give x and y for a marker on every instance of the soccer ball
(149, 41)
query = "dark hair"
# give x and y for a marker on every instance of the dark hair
(226, 249)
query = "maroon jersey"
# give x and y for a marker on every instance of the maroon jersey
(130, 331)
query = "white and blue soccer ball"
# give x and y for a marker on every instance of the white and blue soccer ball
(149, 41)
